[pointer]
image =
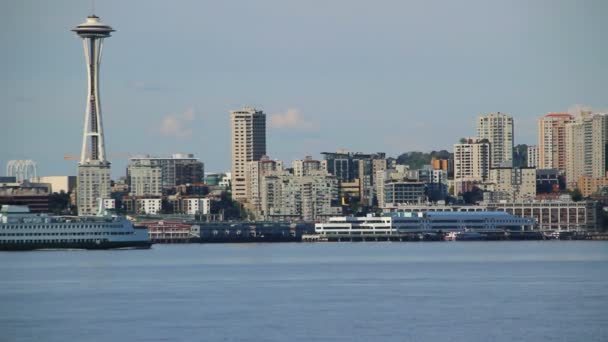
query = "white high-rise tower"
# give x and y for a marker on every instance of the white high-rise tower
(497, 128)
(93, 169)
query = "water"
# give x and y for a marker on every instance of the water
(454, 291)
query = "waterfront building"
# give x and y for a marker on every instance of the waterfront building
(164, 231)
(497, 128)
(561, 215)
(93, 168)
(472, 162)
(248, 143)
(552, 141)
(533, 157)
(419, 222)
(143, 172)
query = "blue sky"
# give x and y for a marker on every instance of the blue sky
(369, 76)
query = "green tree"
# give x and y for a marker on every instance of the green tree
(59, 203)
(231, 209)
(473, 196)
(520, 155)
(417, 160)
(576, 195)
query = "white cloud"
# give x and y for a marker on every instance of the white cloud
(177, 125)
(291, 120)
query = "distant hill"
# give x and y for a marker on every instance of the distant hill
(416, 159)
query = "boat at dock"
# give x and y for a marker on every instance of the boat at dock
(22, 230)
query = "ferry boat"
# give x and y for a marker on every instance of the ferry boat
(469, 235)
(22, 230)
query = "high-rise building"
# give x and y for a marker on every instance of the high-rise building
(355, 167)
(176, 170)
(586, 147)
(404, 193)
(512, 184)
(471, 163)
(93, 169)
(552, 141)
(285, 196)
(305, 166)
(248, 143)
(532, 153)
(144, 177)
(599, 146)
(497, 128)
(254, 173)
(442, 164)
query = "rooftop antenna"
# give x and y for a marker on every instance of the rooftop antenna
(93, 7)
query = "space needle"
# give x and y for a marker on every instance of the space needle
(93, 169)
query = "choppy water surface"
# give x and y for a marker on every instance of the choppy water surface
(453, 291)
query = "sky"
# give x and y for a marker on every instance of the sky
(369, 76)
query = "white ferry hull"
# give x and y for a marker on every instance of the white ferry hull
(21, 230)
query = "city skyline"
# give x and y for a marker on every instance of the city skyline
(334, 86)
